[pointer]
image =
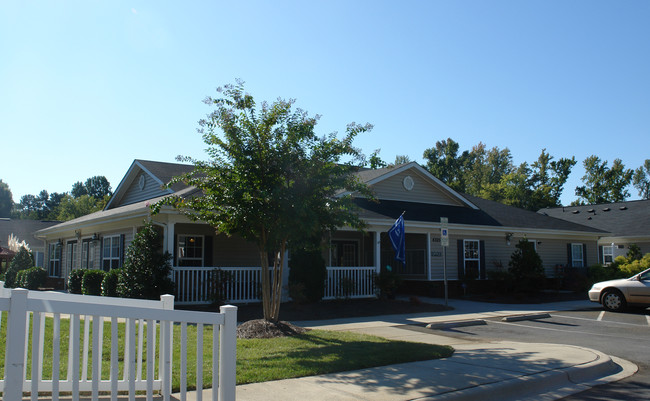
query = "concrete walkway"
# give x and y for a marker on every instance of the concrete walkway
(477, 371)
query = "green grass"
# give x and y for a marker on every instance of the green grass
(316, 352)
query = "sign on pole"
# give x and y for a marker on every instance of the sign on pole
(444, 241)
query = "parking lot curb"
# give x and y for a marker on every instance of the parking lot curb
(459, 323)
(519, 318)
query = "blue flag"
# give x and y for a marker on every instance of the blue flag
(398, 240)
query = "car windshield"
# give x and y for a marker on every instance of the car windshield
(643, 276)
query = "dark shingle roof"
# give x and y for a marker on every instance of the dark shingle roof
(620, 218)
(166, 171)
(23, 229)
(490, 213)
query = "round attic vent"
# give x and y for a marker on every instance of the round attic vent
(408, 183)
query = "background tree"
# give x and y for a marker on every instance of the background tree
(445, 164)
(401, 159)
(98, 187)
(641, 180)
(270, 179)
(375, 162)
(71, 207)
(6, 200)
(547, 179)
(603, 184)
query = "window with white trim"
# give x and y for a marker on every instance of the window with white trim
(111, 253)
(54, 260)
(190, 250)
(88, 254)
(345, 253)
(472, 258)
(71, 255)
(608, 254)
(577, 258)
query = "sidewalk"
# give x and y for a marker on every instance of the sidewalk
(477, 370)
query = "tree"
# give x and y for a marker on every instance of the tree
(604, 184)
(526, 267)
(547, 179)
(78, 190)
(6, 200)
(271, 179)
(401, 159)
(23, 260)
(375, 161)
(98, 187)
(71, 208)
(445, 164)
(146, 269)
(641, 180)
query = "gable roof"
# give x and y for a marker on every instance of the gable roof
(160, 173)
(621, 219)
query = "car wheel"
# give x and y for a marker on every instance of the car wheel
(614, 300)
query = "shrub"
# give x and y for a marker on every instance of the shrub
(635, 266)
(219, 280)
(146, 269)
(91, 284)
(387, 282)
(23, 260)
(109, 284)
(32, 279)
(501, 281)
(526, 268)
(74, 281)
(597, 273)
(307, 275)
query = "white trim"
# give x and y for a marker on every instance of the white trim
(178, 245)
(582, 254)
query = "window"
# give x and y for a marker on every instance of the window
(111, 253)
(472, 258)
(577, 258)
(608, 254)
(39, 259)
(88, 254)
(190, 250)
(54, 262)
(71, 255)
(345, 253)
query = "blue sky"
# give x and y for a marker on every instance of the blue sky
(87, 87)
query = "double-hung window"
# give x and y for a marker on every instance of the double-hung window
(472, 258)
(71, 255)
(190, 250)
(111, 252)
(577, 256)
(345, 253)
(608, 254)
(88, 254)
(54, 261)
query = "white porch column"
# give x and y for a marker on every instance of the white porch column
(428, 258)
(170, 239)
(377, 238)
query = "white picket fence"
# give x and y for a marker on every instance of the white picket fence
(195, 285)
(145, 323)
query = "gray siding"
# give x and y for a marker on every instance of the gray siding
(134, 194)
(423, 191)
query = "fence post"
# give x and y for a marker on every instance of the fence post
(166, 341)
(228, 354)
(15, 346)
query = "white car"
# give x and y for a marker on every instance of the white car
(616, 295)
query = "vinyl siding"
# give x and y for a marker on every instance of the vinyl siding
(423, 190)
(134, 194)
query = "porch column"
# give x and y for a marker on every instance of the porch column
(170, 240)
(428, 256)
(377, 238)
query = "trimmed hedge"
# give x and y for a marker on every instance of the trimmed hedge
(31, 279)
(74, 280)
(109, 284)
(91, 284)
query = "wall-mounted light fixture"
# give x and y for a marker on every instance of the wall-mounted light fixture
(539, 243)
(508, 237)
(95, 237)
(77, 233)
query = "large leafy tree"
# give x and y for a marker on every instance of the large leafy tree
(547, 179)
(6, 200)
(603, 184)
(271, 179)
(41, 206)
(641, 180)
(445, 164)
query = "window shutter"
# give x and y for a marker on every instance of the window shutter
(601, 259)
(101, 254)
(482, 260)
(122, 238)
(174, 252)
(207, 250)
(584, 255)
(569, 257)
(461, 260)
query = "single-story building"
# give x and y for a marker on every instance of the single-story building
(482, 235)
(23, 230)
(626, 222)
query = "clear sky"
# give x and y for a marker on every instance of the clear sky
(86, 87)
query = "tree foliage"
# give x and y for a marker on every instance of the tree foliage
(6, 200)
(22, 260)
(146, 269)
(271, 179)
(526, 267)
(602, 183)
(641, 180)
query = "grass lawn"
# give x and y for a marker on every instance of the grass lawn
(258, 360)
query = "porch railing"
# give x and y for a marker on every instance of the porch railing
(197, 285)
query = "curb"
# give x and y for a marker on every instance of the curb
(549, 385)
(519, 318)
(459, 323)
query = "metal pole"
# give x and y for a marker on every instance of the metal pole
(444, 272)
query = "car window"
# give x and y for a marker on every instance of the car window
(645, 276)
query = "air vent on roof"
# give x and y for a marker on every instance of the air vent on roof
(575, 212)
(589, 218)
(623, 208)
(606, 209)
(590, 211)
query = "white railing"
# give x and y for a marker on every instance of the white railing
(86, 369)
(196, 285)
(350, 282)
